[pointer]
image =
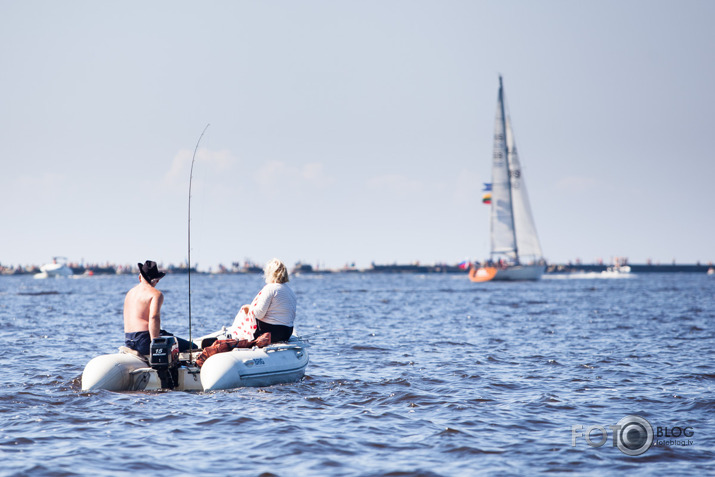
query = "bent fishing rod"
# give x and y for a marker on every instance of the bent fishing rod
(191, 176)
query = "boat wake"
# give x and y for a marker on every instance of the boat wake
(588, 275)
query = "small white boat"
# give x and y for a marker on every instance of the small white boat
(58, 268)
(242, 367)
(619, 269)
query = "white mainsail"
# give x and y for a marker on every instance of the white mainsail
(513, 233)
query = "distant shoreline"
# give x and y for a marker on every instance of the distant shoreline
(375, 268)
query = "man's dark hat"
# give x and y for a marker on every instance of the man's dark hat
(149, 271)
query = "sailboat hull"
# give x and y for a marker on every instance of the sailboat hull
(520, 272)
(482, 274)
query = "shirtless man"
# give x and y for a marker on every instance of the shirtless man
(142, 306)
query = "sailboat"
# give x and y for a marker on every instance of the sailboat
(515, 249)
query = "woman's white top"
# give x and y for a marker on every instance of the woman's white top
(275, 304)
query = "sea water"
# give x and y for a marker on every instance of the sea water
(409, 375)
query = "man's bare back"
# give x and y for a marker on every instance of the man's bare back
(142, 307)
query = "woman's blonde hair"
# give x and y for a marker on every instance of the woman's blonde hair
(275, 271)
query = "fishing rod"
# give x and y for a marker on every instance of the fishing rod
(191, 176)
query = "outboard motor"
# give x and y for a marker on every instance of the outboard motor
(164, 358)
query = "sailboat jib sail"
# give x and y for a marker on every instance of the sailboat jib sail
(514, 241)
(527, 241)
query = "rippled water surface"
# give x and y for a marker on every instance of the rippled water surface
(409, 375)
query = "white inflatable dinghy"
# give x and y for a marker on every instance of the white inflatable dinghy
(130, 371)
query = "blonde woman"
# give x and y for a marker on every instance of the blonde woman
(272, 310)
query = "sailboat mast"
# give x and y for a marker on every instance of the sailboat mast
(508, 168)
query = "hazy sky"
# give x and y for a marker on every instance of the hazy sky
(352, 131)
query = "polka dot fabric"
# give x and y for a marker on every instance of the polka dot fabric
(244, 325)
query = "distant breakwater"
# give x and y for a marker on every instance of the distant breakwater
(388, 268)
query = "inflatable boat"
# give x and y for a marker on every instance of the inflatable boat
(166, 368)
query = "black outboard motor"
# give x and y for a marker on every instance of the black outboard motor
(164, 357)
